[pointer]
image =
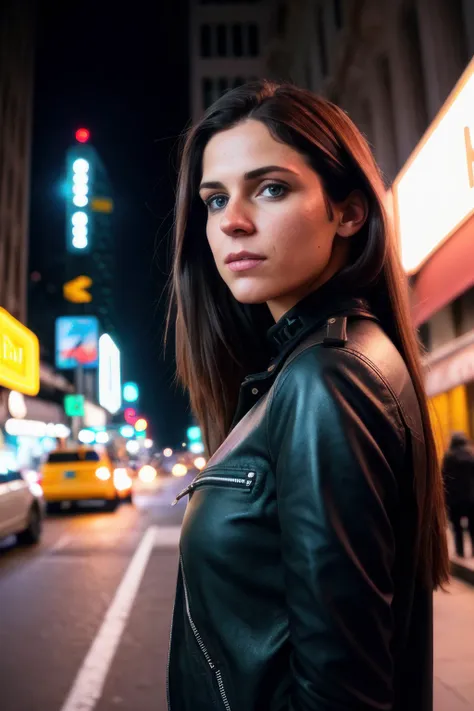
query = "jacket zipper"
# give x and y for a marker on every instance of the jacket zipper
(246, 482)
(201, 644)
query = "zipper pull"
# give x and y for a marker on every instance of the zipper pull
(183, 493)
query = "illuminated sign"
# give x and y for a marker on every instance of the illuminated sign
(19, 356)
(76, 292)
(102, 204)
(74, 405)
(110, 385)
(17, 405)
(80, 171)
(94, 416)
(35, 428)
(77, 342)
(434, 193)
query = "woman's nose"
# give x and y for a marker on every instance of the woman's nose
(235, 220)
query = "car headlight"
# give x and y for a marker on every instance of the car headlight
(122, 481)
(147, 474)
(102, 473)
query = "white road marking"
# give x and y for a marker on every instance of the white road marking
(89, 682)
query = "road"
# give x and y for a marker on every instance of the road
(84, 617)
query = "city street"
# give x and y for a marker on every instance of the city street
(85, 616)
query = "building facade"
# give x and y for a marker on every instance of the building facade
(404, 72)
(389, 65)
(16, 98)
(226, 47)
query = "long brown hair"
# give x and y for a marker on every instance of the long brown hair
(219, 341)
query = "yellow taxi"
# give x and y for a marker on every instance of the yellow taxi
(84, 474)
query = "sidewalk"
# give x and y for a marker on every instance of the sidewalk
(462, 568)
(454, 648)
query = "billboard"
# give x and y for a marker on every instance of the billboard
(19, 356)
(434, 192)
(77, 342)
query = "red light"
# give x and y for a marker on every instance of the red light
(82, 135)
(130, 416)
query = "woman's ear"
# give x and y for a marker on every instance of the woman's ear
(353, 214)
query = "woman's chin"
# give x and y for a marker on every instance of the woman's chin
(250, 296)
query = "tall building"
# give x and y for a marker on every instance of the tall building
(227, 41)
(389, 65)
(16, 97)
(404, 71)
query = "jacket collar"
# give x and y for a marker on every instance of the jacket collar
(311, 313)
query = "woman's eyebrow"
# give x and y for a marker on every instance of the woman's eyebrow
(251, 175)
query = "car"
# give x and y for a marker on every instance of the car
(84, 474)
(22, 507)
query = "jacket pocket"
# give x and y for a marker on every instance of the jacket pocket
(240, 479)
(215, 671)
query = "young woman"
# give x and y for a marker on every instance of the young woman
(313, 539)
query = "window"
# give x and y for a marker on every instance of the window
(67, 457)
(282, 17)
(221, 41)
(337, 5)
(207, 92)
(253, 40)
(205, 41)
(323, 53)
(237, 41)
(222, 85)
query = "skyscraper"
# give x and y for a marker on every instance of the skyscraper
(16, 95)
(227, 45)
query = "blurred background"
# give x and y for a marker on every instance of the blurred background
(96, 439)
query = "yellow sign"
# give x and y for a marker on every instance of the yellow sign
(76, 292)
(102, 204)
(19, 356)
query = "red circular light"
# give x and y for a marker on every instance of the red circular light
(82, 135)
(130, 416)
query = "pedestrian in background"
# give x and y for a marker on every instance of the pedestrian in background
(315, 535)
(458, 473)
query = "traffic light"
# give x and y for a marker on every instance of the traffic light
(80, 175)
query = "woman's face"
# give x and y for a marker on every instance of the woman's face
(268, 224)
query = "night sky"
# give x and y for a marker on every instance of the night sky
(125, 77)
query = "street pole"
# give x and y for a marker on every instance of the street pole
(79, 383)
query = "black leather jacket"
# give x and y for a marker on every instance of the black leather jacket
(296, 586)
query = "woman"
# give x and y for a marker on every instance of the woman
(314, 537)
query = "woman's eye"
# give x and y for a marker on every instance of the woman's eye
(216, 202)
(275, 190)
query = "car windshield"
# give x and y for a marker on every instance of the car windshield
(63, 457)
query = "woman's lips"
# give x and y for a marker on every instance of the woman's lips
(243, 265)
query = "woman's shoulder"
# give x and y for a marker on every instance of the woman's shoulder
(367, 373)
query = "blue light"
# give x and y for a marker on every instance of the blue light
(131, 392)
(127, 431)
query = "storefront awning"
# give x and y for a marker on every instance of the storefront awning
(446, 275)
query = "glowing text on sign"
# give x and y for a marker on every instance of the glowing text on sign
(434, 193)
(19, 356)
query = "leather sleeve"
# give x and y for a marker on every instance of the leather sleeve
(335, 437)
